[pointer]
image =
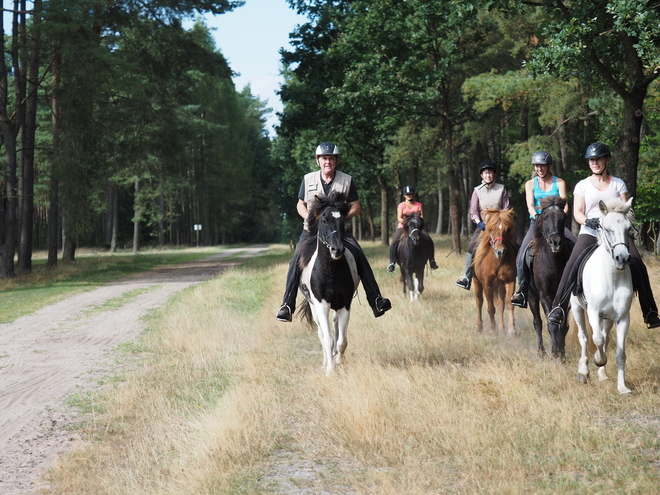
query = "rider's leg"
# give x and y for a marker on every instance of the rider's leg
(568, 278)
(285, 312)
(643, 285)
(377, 302)
(432, 263)
(520, 297)
(394, 246)
(465, 281)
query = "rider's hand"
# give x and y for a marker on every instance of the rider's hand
(481, 225)
(592, 223)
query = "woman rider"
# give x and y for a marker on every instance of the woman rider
(600, 186)
(541, 185)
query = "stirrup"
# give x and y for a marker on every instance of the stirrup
(518, 299)
(285, 313)
(652, 320)
(464, 282)
(557, 316)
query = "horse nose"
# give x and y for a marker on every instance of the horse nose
(337, 252)
(623, 260)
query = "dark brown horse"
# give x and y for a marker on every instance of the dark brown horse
(551, 250)
(495, 268)
(413, 253)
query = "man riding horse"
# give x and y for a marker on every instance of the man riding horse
(321, 184)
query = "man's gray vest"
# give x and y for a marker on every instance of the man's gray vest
(313, 187)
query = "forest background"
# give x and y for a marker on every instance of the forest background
(121, 129)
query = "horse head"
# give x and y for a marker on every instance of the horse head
(550, 224)
(615, 230)
(326, 221)
(413, 224)
(499, 230)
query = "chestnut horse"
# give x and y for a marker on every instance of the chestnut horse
(495, 267)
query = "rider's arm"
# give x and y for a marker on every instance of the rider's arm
(421, 210)
(561, 185)
(399, 213)
(529, 197)
(475, 210)
(355, 209)
(578, 209)
(301, 207)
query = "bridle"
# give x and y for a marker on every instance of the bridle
(609, 246)
(547, 236)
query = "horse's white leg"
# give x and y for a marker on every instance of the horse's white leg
(322, 318)
(340, 320)
(599, 331)
(416, 290)
(621, 331)
(583, 365)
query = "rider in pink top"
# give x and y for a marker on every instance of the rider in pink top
(405, 208)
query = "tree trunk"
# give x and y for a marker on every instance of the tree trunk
(68, 243)
(454, 191)
(384, 209)
(438, 228)
(27, 152)
(115, 218)
(136, 220)
(627, 157)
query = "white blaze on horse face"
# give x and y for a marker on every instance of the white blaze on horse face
(336, 214)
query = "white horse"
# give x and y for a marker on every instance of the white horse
(329, 277)
(607, 292)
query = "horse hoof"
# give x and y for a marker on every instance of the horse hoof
(583, 378)
(625, 390)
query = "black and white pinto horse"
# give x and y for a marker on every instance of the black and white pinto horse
(606, 293)
(329, 276)
(413, 252)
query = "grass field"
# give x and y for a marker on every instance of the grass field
(226, 400)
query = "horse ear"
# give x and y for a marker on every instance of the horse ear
(603, 207)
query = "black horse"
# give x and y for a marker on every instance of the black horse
(551, 250)
(413, 252)
(329, 275)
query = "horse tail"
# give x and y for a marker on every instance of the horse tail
(305, 312)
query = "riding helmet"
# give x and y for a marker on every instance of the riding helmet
(408, 190)
(541, 158)
(327, 149)
(487, 164)
(597, 150)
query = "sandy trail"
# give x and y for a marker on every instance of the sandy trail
(57, 351)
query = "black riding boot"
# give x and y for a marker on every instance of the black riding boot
(520, 298)
(646, 300)
(393, 249)
(292, 281)
(377, 302)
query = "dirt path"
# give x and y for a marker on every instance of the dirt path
(58, 351)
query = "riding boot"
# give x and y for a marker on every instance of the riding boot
(393, 249)
(646, 300)
(466, 280)
(434, 265)
(377, 302)
(285, 312)
(520, 298)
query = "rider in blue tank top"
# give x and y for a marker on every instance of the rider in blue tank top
(542, 184)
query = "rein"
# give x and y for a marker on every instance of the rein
(323, 239)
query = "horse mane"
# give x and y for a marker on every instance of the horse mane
(492, 217)
(410, 217)
(546, 202)
(320, 203)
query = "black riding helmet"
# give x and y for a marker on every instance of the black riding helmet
(487, 164)
(596, 150)
(408, 190)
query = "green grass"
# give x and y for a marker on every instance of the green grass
(27, 293)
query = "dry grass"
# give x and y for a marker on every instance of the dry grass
(228, 400)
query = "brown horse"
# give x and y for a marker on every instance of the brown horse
(495, 267)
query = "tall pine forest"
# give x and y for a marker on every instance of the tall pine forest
(122, 129)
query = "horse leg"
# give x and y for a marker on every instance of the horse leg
(578, 315)
(621, 331)
(510, 288)
(498, 298)
(340, 321)
(538, 324)
(416, 282)
(599, 334)
(420, 280)
(490, 305)
(479, 296)
(322, 318)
